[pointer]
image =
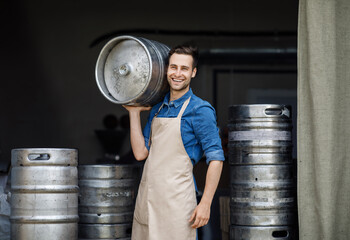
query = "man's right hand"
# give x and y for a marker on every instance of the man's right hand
(136, 108)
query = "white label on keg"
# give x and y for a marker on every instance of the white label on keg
(262, 200)
(259, 135)
(118, 194)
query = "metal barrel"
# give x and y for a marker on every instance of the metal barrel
(262, 195)
(262, 232)
(104, 231)
(263, 189)
(106, 200)
(132, 70)
(44, 194)
(260, 134)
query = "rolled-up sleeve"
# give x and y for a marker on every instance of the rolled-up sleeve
(207, 133)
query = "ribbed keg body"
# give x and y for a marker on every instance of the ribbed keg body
(44, 194)
(106, 201)
(261, 171)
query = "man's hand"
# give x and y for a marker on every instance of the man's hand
(200, 215)
(136, 109)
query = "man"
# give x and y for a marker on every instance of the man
(179, 130)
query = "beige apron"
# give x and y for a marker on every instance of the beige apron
(166, 197)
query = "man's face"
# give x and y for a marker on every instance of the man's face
(180, 72)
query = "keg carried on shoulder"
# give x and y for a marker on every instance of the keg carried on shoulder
(106, 200)
(44, 194)
(132, 70)
(263, 189)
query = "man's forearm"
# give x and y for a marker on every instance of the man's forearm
(136, 137)
(201, 214)
(212, 181)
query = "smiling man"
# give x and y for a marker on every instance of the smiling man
(180, 129)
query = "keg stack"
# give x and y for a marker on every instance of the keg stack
(106, 201)
(44, 194)
(263, 189)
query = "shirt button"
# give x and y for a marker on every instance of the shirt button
(171, 104)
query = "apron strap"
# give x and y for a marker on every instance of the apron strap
(183, 108)
(161, 106)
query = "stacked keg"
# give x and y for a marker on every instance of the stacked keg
(106, 201)
(263, 189)
(44, 194)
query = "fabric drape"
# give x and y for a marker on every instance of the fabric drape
(324, 119)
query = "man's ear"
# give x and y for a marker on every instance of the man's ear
(194, 71)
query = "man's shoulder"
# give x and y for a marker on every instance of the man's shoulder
(157, 106)
(199, 103)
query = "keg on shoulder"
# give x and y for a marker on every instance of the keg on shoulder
(106, 201)
(132, 70)
(263, 189)
(44, 194)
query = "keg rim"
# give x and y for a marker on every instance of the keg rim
(45, 148)
(101, 83)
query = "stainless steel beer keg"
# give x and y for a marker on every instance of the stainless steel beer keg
(262, 195)
(106, 193)
(44, 188)
(262, 232)
(260, 134)
(263, 190)
(132, 70)
(106, 200)
(104, 231)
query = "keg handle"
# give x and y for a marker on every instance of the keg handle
(280, 234)
(38, 156)
(277, 111)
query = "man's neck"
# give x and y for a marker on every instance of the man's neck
(174, 95)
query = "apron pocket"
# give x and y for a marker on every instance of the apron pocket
(141, 206)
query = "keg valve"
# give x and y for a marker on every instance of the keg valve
(124, 69)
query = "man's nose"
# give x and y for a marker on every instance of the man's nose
(178, 72)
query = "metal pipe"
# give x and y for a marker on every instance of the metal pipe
(261, 55)
(203, 33)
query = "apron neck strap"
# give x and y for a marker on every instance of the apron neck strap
(183, 108)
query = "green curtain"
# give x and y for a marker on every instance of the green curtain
(324, 119)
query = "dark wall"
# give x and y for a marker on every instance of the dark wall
(48, 94)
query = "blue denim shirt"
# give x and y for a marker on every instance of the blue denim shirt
(199, 131)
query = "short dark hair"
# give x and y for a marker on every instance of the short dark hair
(186, 49)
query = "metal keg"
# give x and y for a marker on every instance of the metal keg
(132, 70)
(44, 194)
(104, 231)
(260, 134)
(262, 232)
(106, 200)
(262, 195)
(263, 189)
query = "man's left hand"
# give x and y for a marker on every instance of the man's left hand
(200, 215)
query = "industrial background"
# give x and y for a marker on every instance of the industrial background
(49, 96)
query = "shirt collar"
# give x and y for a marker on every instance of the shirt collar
(180, 101)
